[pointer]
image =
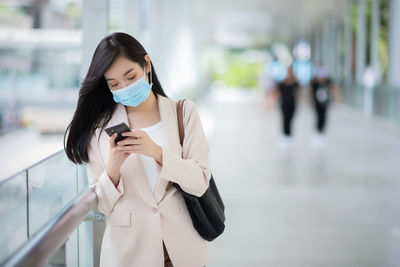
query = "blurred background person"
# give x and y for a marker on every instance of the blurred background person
(287, 91)
(321, 92)
(275, 71)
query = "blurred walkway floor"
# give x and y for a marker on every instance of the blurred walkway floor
(302, 206)
(23, 148)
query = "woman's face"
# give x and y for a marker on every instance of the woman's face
(123, 72)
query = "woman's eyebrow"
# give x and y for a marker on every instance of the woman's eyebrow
(109, 79)
(128, 71)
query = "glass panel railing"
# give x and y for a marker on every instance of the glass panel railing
(52, 185)
(85, 229)
(82, 180)
(13, 214)
(32, 200)
(382, 101)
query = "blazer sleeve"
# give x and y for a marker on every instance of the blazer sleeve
(192, 170)
(107, 193)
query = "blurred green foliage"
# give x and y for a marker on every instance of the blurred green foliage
(10, 11)
(384, 6)
(237, 70)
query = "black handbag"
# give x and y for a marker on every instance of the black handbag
(208, 211)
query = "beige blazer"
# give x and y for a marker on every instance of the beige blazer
(139, 221)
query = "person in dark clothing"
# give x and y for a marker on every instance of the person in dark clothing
(288, 91)
(322, 90)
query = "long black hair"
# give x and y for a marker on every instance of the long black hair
(95, 103)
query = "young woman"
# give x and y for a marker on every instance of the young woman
(148, 223)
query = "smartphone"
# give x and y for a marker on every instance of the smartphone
(119, 128)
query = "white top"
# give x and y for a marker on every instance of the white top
(156, 133)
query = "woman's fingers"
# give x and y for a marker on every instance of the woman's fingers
(131, 148)
(112, 139)
(136, 142)
(129, 141)
(136, 134)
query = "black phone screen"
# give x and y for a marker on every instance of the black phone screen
(119, 128)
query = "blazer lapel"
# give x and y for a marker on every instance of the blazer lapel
(168, 117)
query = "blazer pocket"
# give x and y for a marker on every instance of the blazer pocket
(120, 218)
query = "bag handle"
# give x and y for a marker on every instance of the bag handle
(179, 107)
(180, 120)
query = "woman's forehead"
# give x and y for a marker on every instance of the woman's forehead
(120, 66)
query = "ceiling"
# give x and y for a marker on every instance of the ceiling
(241, 22)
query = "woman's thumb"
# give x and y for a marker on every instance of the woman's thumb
(112, 139)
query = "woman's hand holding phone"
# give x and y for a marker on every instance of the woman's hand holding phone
(128, 141)
(139, 142)
(115, 160)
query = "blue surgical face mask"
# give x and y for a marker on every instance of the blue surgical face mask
(135, 93)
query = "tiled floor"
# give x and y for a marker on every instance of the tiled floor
(303, 206)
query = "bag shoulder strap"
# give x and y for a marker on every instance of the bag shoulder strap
(180, 120)
(179, 108)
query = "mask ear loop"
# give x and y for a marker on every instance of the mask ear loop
(151, 76)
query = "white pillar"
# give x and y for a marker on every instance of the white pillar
(320, 42)
(329, 41)
(133, 18)
(94, 28)
(316, 47)
(338, 51)
(328, 51)
(333, 48)
(394, 44)
(173, 44)
(361, 41)
(325, 44)
(375, 23)
(347, 60)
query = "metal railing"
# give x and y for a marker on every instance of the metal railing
(42, 208)
(47, 241)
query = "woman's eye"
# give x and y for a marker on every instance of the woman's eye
(114, 85)
(132, 78)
